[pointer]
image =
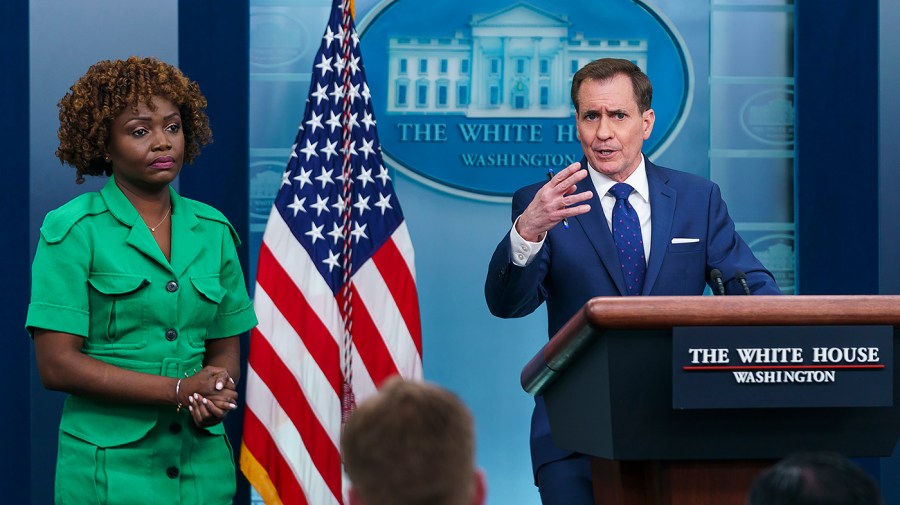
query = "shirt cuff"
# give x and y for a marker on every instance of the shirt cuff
(233, 323)
(521, 251)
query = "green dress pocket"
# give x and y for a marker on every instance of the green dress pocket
(118, 304)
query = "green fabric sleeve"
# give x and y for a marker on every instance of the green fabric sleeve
(59, 293)
(235, 313)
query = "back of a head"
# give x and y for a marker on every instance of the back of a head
(411, 444)
(816, 478)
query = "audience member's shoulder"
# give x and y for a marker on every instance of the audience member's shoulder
(59, 221)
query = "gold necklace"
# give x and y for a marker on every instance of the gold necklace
(153, 228)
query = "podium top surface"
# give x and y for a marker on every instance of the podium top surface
(646, 312)
(661, 312)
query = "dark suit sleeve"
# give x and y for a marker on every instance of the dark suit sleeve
(510, 290)
(729, 253)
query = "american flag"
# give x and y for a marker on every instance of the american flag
(335, 288)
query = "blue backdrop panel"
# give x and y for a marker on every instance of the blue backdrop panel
(837, 147)
(837, 152)
(15, 360)
(213, 45)
(889, 161)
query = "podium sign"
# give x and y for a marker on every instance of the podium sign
(606, 379)
(715, 367)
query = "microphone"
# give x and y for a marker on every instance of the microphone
(741, 277)
(716, 275)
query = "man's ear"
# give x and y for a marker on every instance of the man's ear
(480, 495)
(648, 118)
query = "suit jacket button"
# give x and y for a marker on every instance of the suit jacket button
(171, 334)
(174, 428)
(172, 286)
(172, 472)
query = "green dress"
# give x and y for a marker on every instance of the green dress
(99, 274)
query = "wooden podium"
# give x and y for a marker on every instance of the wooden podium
(606, 378)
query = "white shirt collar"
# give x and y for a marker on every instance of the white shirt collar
(637, 180)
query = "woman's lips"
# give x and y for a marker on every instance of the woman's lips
(164, 162)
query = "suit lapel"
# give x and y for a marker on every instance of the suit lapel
(662, 212)
(594, 225)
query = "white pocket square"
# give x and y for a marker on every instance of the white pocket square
(679, 240)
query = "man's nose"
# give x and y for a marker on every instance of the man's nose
(603, 129)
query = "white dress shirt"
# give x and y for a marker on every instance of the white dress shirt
(523, 252)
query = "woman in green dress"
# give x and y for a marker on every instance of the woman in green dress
(138, 298)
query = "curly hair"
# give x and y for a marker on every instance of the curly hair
(103, 92)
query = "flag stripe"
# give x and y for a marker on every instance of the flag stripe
(261, 445)
(301, 270)
(386, 316)
(293, 306)
(367, 340)
(282, 384)
(289, 352)
(404, 245)
(258, 477)
(399, 282)
(363, 384)
(285, 444)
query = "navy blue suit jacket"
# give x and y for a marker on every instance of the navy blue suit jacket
(579, 263)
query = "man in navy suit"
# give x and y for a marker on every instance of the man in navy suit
(561, 248)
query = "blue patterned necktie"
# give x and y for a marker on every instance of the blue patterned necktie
(626, 230)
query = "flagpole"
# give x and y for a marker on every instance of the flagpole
(348, 400)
